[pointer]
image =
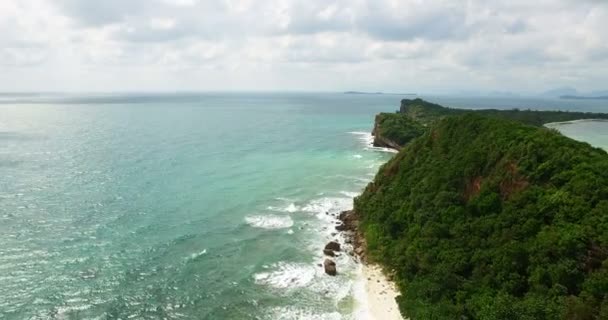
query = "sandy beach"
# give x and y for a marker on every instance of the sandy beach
(381, 294)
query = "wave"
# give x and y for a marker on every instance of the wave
(293, 313)
(368, 139)
(195, 255)
(307, 278)
(291, 207)
(328, 206)
(382, 149)
(287, 276)
(269, 221)
(365, 137)
(349, 194)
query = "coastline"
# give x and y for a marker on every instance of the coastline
(551, 124)
(380, 294)
(376, 292)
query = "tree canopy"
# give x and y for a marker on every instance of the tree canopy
(486, 218)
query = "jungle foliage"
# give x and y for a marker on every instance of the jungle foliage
(486, 218)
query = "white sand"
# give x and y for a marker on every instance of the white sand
(381, 294)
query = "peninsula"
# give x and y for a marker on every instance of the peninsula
(487, 214)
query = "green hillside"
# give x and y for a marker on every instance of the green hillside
(486, 218)
(394, 130)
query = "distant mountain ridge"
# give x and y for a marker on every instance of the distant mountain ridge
(572, 93)
(584, 97)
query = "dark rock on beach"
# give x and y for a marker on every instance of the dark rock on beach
(332, 245)
(350, 228)
(330, 267)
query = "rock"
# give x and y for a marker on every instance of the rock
(329, 252)
(341, 227)
(332, 245)
(330, 267)
(359, 251)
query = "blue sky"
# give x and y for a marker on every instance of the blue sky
(311, 45)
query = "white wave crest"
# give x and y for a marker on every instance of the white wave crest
(269, 221)
(328, 206)
(287, 275)
(365, 137)
(197, 254)
(381, 149)
(349, 194)
(292, 313)
(291, 208)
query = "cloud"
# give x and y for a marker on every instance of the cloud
(398, 21)
(306, 45)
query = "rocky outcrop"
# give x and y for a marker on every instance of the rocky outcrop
(380, 140)
(330, 267)
(332, 245)
(352, 234)
(331, 248)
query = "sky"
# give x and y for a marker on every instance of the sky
(303, 45)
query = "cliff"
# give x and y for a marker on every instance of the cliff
(393, 130)
(481, 217)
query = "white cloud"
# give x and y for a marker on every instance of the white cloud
(391, 45)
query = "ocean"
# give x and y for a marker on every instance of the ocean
(192, 205)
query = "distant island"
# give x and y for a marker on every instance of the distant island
(584, 97)
(363, 92)
(487, 214)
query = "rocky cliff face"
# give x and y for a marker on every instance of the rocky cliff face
(379, 139)
(394, 130)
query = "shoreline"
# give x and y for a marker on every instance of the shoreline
(559, 123)
(380, 294)
(374, 292)
(377, 293)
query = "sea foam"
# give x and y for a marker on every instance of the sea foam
(292, 313)
(291, 208)
(328, 206)
(269, 221)
(287, 275)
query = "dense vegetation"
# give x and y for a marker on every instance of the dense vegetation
(485, 218)
(396, 129)
(426, 112)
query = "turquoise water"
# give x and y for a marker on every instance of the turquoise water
(184, 206)
(200, 207)
(593, 132)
